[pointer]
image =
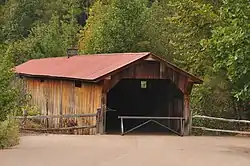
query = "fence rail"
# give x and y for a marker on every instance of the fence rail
(58, 129)
(55, 116)
(219, 130)
(67, 128)
(220, 119)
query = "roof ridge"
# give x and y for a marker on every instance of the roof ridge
(100, 54)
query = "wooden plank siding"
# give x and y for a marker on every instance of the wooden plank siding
(59, 97)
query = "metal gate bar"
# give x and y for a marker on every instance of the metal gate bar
(154, 120)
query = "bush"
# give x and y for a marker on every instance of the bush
(9, 133)
(30, 110)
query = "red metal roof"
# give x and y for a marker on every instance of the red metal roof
(88, 67)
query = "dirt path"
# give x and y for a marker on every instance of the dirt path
(59, 150)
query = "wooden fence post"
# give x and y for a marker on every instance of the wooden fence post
(25, 114)
(98, 120)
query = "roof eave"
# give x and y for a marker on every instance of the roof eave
(55, 77)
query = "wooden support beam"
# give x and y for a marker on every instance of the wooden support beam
(102, 118)
(162, 71)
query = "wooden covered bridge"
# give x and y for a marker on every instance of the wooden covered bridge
(129, 89)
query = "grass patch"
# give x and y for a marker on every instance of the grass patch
(9, 133)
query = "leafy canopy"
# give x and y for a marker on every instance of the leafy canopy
(230, 46)
(115, 26)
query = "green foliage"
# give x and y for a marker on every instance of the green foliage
(158, 30)
(177, 27)
(228, 52)
(31, 110)
(18, 18)
(66, 10)
(230, 46)
(9, 133)
(115, 26)
(45, 40)
(9, 93)
(213, 98)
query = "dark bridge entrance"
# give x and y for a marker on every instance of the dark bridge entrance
(144, 98)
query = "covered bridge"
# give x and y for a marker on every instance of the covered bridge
(135, 87)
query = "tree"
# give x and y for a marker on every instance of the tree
(230, 47)
(11, 100)
(46, 40)
(177, 28)
(18, 17)
(158, 29)
(9, 94)
(115, 26)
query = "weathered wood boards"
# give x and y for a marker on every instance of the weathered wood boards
(60, 98)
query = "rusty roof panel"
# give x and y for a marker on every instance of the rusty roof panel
(88, 67)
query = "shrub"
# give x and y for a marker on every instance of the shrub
(9, 133)
(30, 110)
